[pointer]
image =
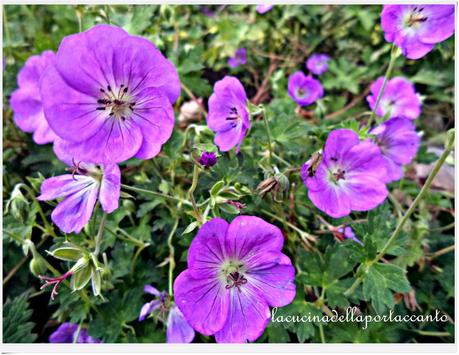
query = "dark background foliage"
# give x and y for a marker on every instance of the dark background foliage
(135, 240)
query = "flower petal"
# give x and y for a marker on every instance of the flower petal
(247, 319)
(110, 188)
(147, 308)
(64, 185)
(204, 302)
(178, 329)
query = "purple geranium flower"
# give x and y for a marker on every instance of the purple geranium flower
(304, 90)
(109, 96)
(235, 272)
(318, 63)
(264, 8)
(416, 28)
(346, 232)
(80, 191)
(399, 142)
(26, 101)
(240, 58)
(178, 329)
(228, 115)
(208, 159)
(67, 332)
(399, 98)
(350, 177)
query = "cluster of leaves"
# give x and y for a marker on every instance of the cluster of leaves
(135, 248)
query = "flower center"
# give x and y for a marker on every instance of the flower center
(337, 173)
(416, 17)
(233, 116)
(300, 93)
(232, 272)
(118, 102)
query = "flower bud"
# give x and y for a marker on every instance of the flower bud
(208, 159)
(37, 266)
(190, 112)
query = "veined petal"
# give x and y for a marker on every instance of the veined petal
(110, 188)
(204, 302)
(178, 329)
(64, 185)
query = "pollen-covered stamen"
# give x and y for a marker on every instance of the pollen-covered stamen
(235, 279)
(118, 102)
(416, 17)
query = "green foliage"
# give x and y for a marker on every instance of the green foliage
(139, 241)
(17, 327)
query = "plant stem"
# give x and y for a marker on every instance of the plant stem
(171, 256)
(156, 194)
(390, 68)
(268, 133)
(100, 233)
(408, 213)
(194, 184)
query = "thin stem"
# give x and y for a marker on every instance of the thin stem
(442, 252)
(390, 68)
(322, 335)
(107, 13)
(47, 225)
(194, 184)
(402, 222)
(418, 199)
(171, 256)
(268, 133)
(100, 233)
(156, 194)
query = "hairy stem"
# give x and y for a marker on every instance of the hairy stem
(390, 68)
(156, 194)
(268, 133)
(171, 256)
(194, 184)
(100, 233)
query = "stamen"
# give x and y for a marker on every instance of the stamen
(56, 281)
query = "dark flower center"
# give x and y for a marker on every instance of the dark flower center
(339, 174)
(233, 116)
(118, 102)
(300, 93)
(235, 279)
(416, 17)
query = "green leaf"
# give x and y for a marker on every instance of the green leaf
(379, 282)
(17, 327)
(67, 253)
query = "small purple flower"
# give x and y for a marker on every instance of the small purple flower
(208, 159)
(350, 176)
(346, 232)
(399, 98)
(67, 332)
(264, 8)
(417, 28)
(178, 329)
(26, 101)
(228, 115)
(399, 143)
(235, 272)
(80, 191)
(109, 96)
(318, 63)
(304, 90)
(240, 58)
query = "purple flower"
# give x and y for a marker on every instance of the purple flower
(208, 159)
(26, 101)
(235, 272)
(304, 90)
(416, 28)
(67, 332)
(80, 191)
(240, 58)
(399, 98)
(178, 329)
(346, 232)
(350, 176)
(318, 63)
(399, 142)
(109, 96)
(228, 115)
(264, 8)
